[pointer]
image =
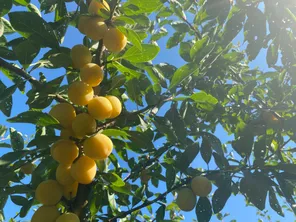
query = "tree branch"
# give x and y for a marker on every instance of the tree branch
(99, 53)
(147, 203)
(20, 72)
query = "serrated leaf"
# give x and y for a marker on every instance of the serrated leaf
(148, 53)
(204, 100)
(182, 73)
(7, 93)
(203, 210)
(34, 117)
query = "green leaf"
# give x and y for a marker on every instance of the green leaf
(34, 8)
(272, 53)
(220, 197)
(134, 91)
(25, 52)
(132, 36)
(255, 187)
(198, 46)
(16, 140)
(160, 213)
(126, 189)
(244, 144)
(214, 141)
(203, 210)
(25, 208)
(115, 133)
(187, 157)
(182, 73)
(10, 157)
(148, 53)
(170, 175)
(32, 26)
(7, 93)
(204, 100)
(43, 141)
(1, 27)
(117, 81)
(21, 2)
(175, 39)
(206, 150)
(114, 179)
(34, 117)
(129, 73)
(184, 51)
(233, 25)
(5, 145)
(137, 7)
(274, 203)
(5, 6)
(19, 200)
(7, 53)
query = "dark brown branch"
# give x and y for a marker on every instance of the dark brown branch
(146, 164)
(197, 33)
(20, 73)
(99, 53)
(81, 201)
(147, 203)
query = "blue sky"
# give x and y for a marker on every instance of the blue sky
(236, 205)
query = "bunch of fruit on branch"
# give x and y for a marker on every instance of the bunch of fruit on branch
(187, 196)
(81, 144)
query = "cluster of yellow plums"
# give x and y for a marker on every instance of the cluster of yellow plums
(186, 198)
(95, 28)
(77, 160)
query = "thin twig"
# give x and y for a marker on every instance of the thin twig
(20, 72)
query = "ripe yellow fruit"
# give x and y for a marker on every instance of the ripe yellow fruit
(49, 192)
(201, 186)
(98, 147)
(80, 93)
(67, 133)
(28, 168)
(68, 217)
(186, 199)
(100, 108)
(92, 74)
(46, 214)
(64, 113)
(96, 5)
(116, 106)
(65, 151)
(145, 177)
(70, 191)
(114, 40)
(83, 23)
(80, 56)
(63, 175)
(95, 28)
(84, 170)
(83, 124)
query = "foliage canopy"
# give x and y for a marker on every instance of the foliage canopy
(179, 108)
